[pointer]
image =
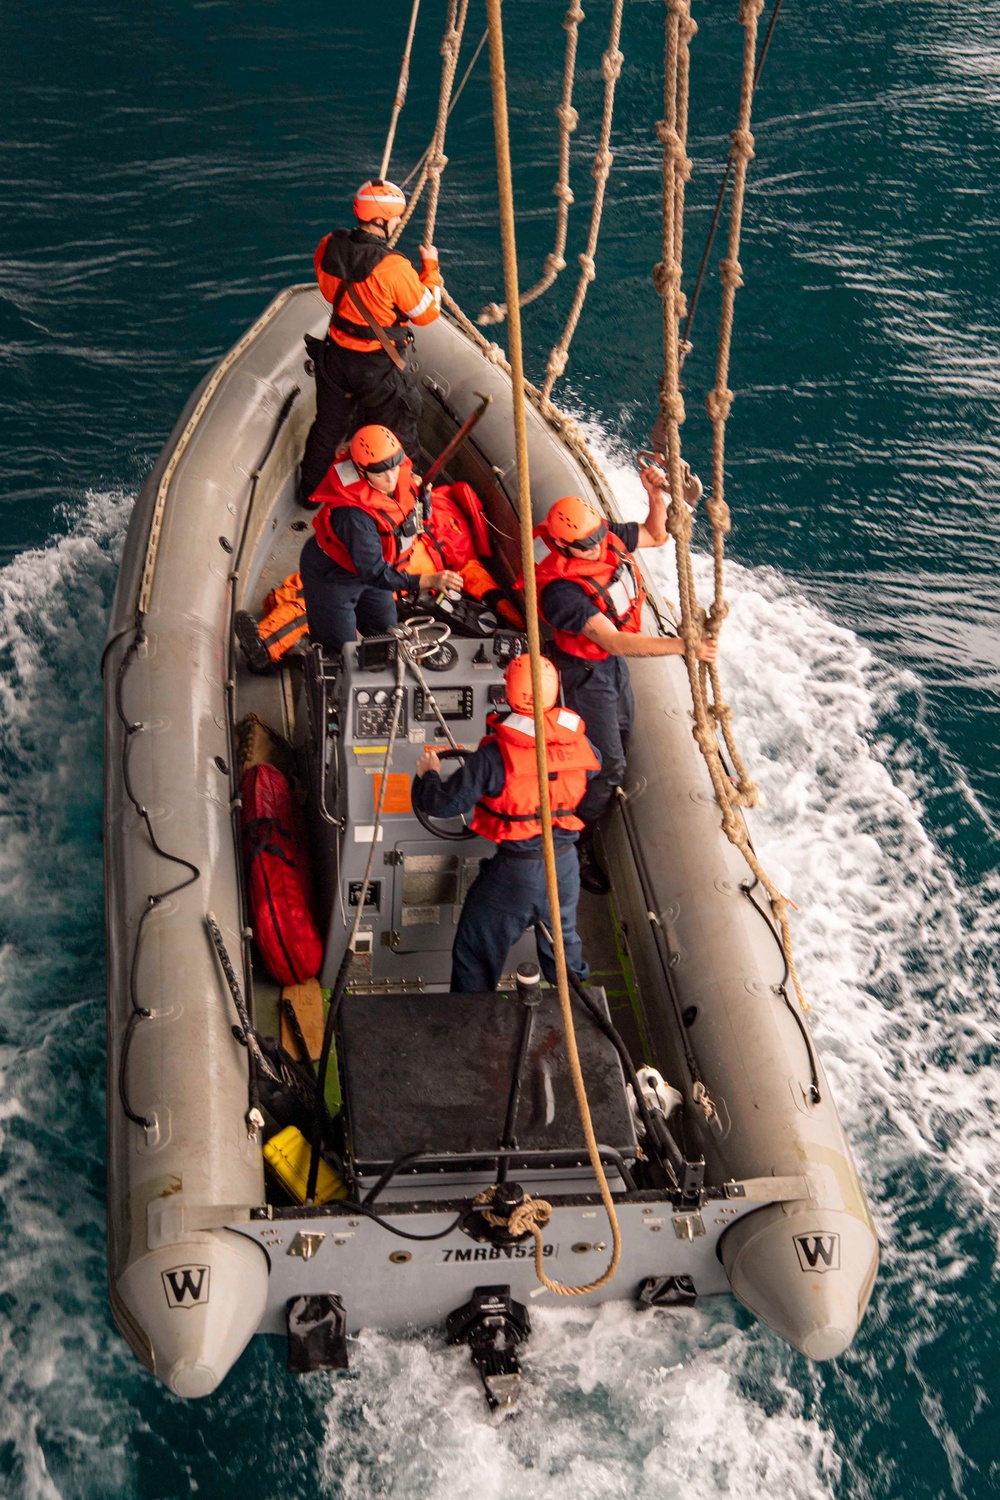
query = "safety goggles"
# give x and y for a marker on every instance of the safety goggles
(384, 464)
(584, 543)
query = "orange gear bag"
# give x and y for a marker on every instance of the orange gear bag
(284, 620)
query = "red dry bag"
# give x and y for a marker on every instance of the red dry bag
(278, 878)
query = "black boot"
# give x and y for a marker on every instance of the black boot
(255, 653)
(593, 877)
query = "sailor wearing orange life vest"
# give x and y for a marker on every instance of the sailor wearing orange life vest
(364, 532)
(500, 780)
(374, 294)
(590, 592)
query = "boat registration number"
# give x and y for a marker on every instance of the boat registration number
(495, 1252)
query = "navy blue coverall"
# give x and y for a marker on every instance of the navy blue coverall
(508, 895)
(599, 691)
(339, 603)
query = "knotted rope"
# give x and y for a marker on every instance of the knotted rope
(711, 712)
(401, 88)
(568, 121)
(501, 130)
(434, 159)
(611, 67)
(530, 1217)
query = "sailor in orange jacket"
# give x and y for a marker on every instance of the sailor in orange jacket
(364, 533)
(375, 294)
(456, 540)
(590, 591)
(500, 781)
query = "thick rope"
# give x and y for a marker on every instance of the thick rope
(611, 67)
(711, 712)
(434, 159)
(451, 108)
(723, 185)
(401, 88)
(529, 1217)
(501, 129)
(568, 121)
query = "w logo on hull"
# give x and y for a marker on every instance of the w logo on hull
(186, 1286)
(818, 1252)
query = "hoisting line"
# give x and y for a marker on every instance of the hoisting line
(434, 159)
(401, 88)
(717, 215)
(533, 1213)
(711, 712)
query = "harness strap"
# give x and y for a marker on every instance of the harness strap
(346, 288)
(532, 817)
(604, 592)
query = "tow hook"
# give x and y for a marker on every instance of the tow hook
(493, 1324)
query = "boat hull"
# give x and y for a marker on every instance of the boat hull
(186, 1184)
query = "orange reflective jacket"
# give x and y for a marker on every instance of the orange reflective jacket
(611, 581)
(395, 515)
(284, 620)
(386, 283)
(514, 813)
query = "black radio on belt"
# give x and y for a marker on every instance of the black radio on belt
(453, 703)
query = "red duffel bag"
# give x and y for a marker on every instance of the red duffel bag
(278, 878)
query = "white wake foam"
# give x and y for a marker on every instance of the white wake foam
(614, 1405)
(60, 1418)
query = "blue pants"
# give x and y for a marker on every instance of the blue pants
(505, 899)
(337, 605)
(601, 693)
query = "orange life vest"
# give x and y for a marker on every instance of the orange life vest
(284, 620)
(395, 515)
(514, 813)
(610, 581)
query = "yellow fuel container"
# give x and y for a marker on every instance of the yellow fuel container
(287, 1154)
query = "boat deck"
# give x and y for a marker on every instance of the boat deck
(279, 701)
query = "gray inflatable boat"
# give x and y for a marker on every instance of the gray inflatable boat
(747, 1186)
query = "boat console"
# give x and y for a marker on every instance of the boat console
(421, 871)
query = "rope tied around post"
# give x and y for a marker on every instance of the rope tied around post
(531, 1217)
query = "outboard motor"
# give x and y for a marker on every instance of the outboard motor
(493, 1324)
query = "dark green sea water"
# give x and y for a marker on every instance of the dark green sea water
(164, 169)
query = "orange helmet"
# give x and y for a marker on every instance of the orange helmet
(375, 449)
(378, 200)
(574, 525)
(518, 681)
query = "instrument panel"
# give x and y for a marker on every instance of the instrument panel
(373, 710)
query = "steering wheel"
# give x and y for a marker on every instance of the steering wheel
(436, 826)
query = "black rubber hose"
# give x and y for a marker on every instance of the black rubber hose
(392, 1169)
(657, 1134)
